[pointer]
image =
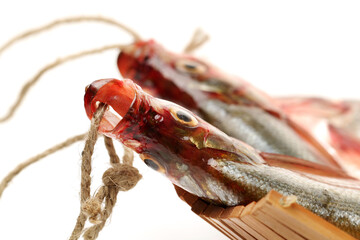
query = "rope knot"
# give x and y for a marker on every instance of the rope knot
(92, 208)
(123, 176)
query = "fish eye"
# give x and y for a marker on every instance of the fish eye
(183, 117)
(152, 163)
(189, 66)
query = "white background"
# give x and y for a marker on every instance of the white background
(283, 47)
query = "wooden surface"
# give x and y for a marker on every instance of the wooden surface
(266, 219)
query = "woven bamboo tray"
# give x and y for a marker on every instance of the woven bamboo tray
(265, 219)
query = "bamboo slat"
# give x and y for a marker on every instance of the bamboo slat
(267, 219)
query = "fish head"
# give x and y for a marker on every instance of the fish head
(180, 78)
(169, 138)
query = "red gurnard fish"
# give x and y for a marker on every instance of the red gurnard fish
(229, 103)
(205, 161)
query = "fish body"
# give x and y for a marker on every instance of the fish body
(229, 103)
(205, 161)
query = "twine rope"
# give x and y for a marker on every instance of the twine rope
(198, 39)
(59, 22)
(120, 177)
(86, 168)
(5, 182)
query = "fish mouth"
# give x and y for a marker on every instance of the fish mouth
(118, 95)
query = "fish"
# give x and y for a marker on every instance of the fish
(205, 161)
(227, 102)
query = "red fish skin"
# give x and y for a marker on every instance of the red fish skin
(157, 71)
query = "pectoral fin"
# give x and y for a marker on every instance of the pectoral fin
(348, 149)
(303, 166)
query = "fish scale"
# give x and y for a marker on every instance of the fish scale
(257, 128)
(335, 204)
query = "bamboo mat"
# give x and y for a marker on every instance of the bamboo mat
(265, 219)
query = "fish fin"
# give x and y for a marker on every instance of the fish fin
(348, 149)
(343, 141)
(219, 141)
(328, 158)
(302, 166)
(312, 106)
